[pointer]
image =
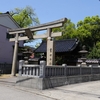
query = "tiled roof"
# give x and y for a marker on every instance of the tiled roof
(60, 46)
(89, 61)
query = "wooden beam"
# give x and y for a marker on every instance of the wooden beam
(37, 36)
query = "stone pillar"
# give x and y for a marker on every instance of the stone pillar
(42, 69)
(21, 62)
(65, 69)
(50, 49)
(80, 70)
(91, 69)
(50, 52)
(14, 63)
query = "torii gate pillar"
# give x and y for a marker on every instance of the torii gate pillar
(14, 63)
(50, 49)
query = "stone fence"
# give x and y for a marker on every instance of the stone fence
(55, 71)
(43, 77)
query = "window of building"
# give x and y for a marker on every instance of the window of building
(8, 36)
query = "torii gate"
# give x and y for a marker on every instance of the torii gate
(28, 31)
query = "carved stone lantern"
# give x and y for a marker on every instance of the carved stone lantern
(83, 53)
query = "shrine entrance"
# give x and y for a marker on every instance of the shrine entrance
(29, 36)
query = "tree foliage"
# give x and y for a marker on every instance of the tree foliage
(68, 30)
(95, 52)
(25, 16)
(37, 44)
(88, 31)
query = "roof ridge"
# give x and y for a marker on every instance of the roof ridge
(74, 39)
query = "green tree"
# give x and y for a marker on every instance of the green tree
(68, 30)
(95, 51)
(88, 31)
(25, 16)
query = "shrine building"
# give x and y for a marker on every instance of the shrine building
(66, 51)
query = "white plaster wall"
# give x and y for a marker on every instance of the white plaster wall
(6, 49)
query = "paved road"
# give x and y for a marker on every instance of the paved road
(13, 93)
(82, 91)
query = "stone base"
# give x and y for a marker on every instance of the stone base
(30, 82)
(45, 83)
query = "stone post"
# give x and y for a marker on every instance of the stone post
(42, 69)
(91, 69)
(99, 69)
(50, 49)
(65, 69)
(50, 53)
(80, 70)
(21, 62)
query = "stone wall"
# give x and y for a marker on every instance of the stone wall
(45, 83)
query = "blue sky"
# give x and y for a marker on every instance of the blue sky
(50, 10)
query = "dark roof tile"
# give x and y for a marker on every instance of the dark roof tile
(60, 45)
